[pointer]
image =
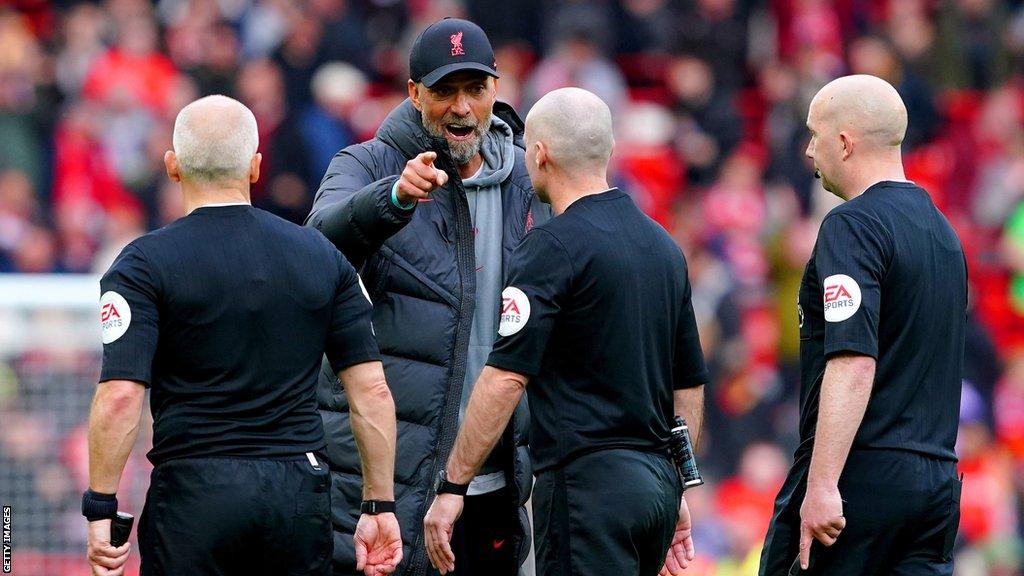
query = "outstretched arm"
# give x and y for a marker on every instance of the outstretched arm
(358, 212)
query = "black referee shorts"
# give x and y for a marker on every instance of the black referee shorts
(237, 516)
(902, 510)
(607, 513)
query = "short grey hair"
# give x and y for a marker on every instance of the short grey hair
(215, 139)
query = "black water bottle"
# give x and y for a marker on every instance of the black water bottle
(682, 453)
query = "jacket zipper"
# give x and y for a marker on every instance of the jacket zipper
(466, 261)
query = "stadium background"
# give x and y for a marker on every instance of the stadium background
(709, 97)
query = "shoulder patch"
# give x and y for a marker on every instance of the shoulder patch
(842, 297)
(515, 311)
(115, 316)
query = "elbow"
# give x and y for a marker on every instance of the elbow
(120, 399)
(512, 384)
(863, 368)
(380, 393)
(374, 398)
(858, 368)
(697, 390)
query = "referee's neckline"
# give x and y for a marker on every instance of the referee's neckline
(220, 208)
(901, 183)
(607, 194)
(891, 184)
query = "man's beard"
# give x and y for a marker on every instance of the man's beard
(462, 152)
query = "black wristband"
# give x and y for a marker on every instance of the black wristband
(374, 507)
(98, 506)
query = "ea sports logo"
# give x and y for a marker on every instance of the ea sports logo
(509, 306)
(115, 316)
(835, 292)
(841, 297)
(515, 311)
(109, 311)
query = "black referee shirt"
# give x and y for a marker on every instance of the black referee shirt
(598, 313)
(226, 314)
(888, 280)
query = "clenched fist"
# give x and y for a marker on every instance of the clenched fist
(419, 178)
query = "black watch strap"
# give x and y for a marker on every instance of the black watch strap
(98, 506)
(374, 507)
(446, 487)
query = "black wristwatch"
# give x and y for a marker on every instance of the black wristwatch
(443, 486)
(374, 507)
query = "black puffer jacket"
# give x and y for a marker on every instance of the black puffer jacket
(419, 270)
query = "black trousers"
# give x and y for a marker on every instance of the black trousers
(611, 512)
(237, 516)
(902, 510)
(484, 540)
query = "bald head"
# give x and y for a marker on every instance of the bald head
(575, 126)
(866, 107)
(215, 139)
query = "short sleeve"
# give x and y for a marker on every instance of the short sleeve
(540, 277)
(350, 340)
(129, 318)
(851, 258)
(689, 368)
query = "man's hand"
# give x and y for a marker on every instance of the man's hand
(104, 559)
(681, 552)
(420, 178)
(378, 542)
(821, 519)
(437, 526)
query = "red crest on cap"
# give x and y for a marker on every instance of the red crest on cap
(457, 44)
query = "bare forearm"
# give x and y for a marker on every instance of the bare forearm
(113, 426)
(494, 399)
(374, 427)
(845, 392)
(689, 403)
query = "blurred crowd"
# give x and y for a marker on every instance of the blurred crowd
(710, 100)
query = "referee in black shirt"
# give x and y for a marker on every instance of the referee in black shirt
(225, 315)
(597, 318)
(882, 307)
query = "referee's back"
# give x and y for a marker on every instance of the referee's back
(244, 306)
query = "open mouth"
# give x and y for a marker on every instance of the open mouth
(459, 133)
